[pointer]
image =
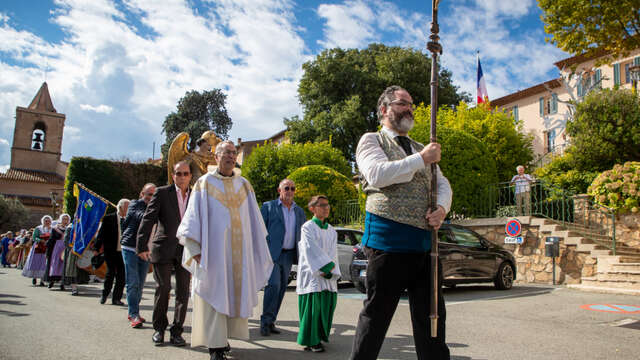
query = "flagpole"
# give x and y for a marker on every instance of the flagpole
(435, 48)
(96, 195)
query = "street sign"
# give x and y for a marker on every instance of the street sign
(513, 240)
(613, 308)
(513, 227)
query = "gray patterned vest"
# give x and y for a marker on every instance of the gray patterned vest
(406, 203)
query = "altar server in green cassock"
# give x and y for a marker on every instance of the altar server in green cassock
(318, 274)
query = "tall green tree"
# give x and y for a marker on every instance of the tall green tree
(339, 92)
(196, 113)
(590, 26)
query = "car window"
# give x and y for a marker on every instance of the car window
(466, 237)
(343, 238)
(445, 236)
(357, 238)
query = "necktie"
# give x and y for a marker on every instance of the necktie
(405, 143)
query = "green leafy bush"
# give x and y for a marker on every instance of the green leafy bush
(13, 215)
(318, 179)
(606, 129)
(466, 162)
(564, 173)
(268, 164)
(112, 180)
(618, 188)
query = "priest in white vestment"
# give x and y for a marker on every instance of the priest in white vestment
(225, 249)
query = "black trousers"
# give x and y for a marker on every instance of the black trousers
(115, 270)
(388, 275)
(162, 276)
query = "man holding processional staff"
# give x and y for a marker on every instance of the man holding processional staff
(397, 177)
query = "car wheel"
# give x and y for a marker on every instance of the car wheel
(504, 277)
(360, 286)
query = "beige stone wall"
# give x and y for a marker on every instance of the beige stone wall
(628, 230)
(22, 157)
(531, 263)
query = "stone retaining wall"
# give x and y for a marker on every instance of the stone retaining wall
(532, 264)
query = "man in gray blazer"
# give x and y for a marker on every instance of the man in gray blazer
(283, 219)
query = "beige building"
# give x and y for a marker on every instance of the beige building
(246, 147)
(36, 174)
(543, 109)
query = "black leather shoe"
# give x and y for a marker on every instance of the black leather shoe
(274, 329)
(103, 299)
(177, 340)
(265, 331)
(218, 355)
(117, 302)
(158, 338)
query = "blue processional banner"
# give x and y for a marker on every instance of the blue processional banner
(86, 222)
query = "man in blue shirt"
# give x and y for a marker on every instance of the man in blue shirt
(283, 219)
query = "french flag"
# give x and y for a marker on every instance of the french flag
(483, 95)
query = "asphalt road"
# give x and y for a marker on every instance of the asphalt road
(527, 322)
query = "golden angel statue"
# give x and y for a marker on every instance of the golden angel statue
(199, 159)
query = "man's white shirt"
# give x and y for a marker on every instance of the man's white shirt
(379, 172)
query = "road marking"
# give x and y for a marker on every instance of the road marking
(526, 293)
(613, 308)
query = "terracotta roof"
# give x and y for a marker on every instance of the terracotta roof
(536, 89)
(580, 58)
(31, 176)
(30, 200)
(42, 100)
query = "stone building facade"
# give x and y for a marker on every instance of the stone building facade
(36, 174)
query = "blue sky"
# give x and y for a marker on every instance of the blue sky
(117, 68)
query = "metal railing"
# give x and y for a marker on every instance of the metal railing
(347, 214)
(578, 213)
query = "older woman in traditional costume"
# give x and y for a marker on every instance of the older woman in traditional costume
(37, 262)
(318, 274)
(55, 249)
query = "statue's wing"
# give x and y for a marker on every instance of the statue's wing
(177, 152)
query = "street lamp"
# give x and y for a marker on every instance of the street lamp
(54, 204)
(635, 77)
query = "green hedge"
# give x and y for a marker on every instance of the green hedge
(321, 180)
(268, 164)
(112, 180)
(466, 163)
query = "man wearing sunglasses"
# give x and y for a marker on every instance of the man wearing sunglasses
(166, 208)
(283, 219)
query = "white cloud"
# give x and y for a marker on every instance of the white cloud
(103, 109)
(4, 168)
(4, 142)
(349, 25)
(135, 59)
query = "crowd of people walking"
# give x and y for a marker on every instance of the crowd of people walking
(217, 241)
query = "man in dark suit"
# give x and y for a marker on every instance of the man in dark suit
(166, 209)
(283, 219)
(109, 236)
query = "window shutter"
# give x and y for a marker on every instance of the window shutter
(515, 113)
(616, 74)
(636, 60)
(554, 103)
(541, 100)
(580, 87)
(627, 74)
(598, 76)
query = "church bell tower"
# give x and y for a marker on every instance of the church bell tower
(37, 138)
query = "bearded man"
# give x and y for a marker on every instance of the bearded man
(396, 176)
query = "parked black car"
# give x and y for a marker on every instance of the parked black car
(466, 257)
(347, 239)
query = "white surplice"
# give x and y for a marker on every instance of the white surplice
(317, 248)
(223, 224)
